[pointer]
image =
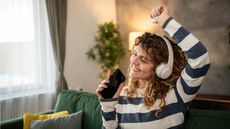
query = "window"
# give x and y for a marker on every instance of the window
(26, 58)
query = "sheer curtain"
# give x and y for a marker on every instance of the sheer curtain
(27, 68)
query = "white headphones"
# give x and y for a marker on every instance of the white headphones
(163, 70)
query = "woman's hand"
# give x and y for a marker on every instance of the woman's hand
(103, 85)
(159, 14)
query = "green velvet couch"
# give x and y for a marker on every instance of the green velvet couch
(74, 101)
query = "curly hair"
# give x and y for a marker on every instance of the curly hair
(157, 88)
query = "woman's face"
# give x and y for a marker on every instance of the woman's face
(141, 64)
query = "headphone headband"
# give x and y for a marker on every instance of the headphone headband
(170, 52)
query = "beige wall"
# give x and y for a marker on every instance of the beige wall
(82, 20)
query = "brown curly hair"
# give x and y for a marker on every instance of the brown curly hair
(157, 88)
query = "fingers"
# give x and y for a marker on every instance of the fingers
(101, 87)
(105, 81)
(154, 15)
(159, 14)
(160, 9)
(156, 12)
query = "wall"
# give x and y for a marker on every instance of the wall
(82, 20)
(207, 19)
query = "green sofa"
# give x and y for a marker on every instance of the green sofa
(74, 101)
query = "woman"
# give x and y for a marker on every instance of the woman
(161, 83)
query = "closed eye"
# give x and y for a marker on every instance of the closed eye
(144, 60)
(134, 53)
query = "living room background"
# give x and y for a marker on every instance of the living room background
(209, 20)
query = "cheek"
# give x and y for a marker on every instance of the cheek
(131, 59)
(147, 70)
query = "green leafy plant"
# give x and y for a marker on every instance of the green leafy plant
(109, 49)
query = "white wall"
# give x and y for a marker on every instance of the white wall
(82, 20)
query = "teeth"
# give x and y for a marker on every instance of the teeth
(135, 69)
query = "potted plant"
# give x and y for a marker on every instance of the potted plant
(108, 49)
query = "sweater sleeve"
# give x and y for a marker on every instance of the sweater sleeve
(197, 65)
(109, 119)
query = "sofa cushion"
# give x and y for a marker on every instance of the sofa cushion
(74, 101)
(28, 117)
(17, 123)
(207, 119)
(72, 121)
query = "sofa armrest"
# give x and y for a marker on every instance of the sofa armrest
(17, 123)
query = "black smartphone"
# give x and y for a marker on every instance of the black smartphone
(114, 82)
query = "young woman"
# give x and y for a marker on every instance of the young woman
(164, 77)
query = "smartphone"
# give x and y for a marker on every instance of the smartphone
(114, 82)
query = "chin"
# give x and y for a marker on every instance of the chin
(134, 75)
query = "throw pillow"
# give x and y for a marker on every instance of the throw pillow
(28, 117)
(72, 121)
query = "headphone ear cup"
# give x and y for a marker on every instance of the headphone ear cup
(163, 71)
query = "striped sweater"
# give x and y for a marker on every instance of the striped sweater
(132, 114)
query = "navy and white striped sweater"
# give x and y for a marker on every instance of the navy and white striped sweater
(132, 114)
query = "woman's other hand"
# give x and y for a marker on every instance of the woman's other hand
(159, 14)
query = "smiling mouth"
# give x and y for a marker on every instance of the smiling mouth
(135, 69)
